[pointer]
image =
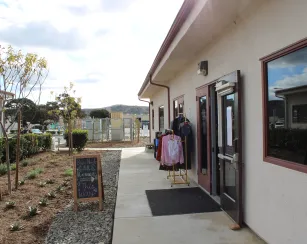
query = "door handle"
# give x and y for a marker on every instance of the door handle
(221, 156)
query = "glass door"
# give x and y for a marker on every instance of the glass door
(229, 142)
(202, 100)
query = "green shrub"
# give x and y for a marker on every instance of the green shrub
(25, 163)
(68, 172)
(30, 144)
(79, 138)
(33, 173)
(13, 166)
(3, 169)
(39, 170)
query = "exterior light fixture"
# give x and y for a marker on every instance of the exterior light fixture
(202, 68)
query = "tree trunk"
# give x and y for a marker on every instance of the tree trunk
(7, 151)
(17, 150)
(70, 145)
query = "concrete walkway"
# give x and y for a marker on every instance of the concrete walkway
(134, 223)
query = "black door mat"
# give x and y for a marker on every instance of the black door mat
(180, 201)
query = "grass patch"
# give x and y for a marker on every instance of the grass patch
(34, 173)
(13, 166)
(68, 172)
(3, 169)
(25, 163)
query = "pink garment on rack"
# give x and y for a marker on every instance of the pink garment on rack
(172, 151)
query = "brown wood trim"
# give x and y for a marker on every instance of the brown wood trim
(179, 98)
(207, 84)
(287, 164)
(204, 180)
(282, 52)
(286, 50)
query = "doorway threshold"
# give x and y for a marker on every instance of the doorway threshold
(217, 199)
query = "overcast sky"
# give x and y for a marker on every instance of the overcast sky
(105, 47)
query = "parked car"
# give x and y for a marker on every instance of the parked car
(36, 131)
(279, 124)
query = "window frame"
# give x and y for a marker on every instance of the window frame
(275, 55)
(180, 100)
(160, 117)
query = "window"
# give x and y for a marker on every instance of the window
(153, 119)
(285, 107)
(178, 105)
(299, 113)
(161, 118)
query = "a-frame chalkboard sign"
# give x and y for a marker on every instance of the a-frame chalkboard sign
(87, 179)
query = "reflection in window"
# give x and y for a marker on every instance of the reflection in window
(287, 107)
(153, 119)
(299, 113)
(178, 107)
(203, 136)
(161, 118)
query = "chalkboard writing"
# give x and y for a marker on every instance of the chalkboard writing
(87, 178)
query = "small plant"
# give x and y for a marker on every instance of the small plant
(32, 175)
(42, 184)
(39, 170)
(68, 172)
(13, 166)
(59, 189)
(51, 195)
(10, 205)
(65, 183)
(25, 163)
(3, 169)
(33, 211)
(21, 182)
(16, 227)
(50, 181)
(43, 202)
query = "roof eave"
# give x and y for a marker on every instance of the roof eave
(181, 17)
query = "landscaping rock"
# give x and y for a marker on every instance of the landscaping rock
(89, 225)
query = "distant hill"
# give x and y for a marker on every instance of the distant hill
(126, 109)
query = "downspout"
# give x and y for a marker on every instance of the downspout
(149, 118)
(168, 99)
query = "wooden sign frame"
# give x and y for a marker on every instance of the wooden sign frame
(100, 180)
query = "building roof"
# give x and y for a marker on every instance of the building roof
(291, 90)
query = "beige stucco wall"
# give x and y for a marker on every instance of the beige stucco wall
(274, 197)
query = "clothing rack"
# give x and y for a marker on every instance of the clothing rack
(183, 174)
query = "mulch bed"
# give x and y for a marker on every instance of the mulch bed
(54, 165)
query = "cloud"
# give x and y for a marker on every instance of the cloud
(78, 10)
(115, 5)
(288, 82)
(42, 34)
(290, 60)
(105, 47)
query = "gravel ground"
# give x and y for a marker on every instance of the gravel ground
(89, 225)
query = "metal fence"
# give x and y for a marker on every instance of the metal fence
(108, 129)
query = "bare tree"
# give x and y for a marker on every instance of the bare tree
(22, 75)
